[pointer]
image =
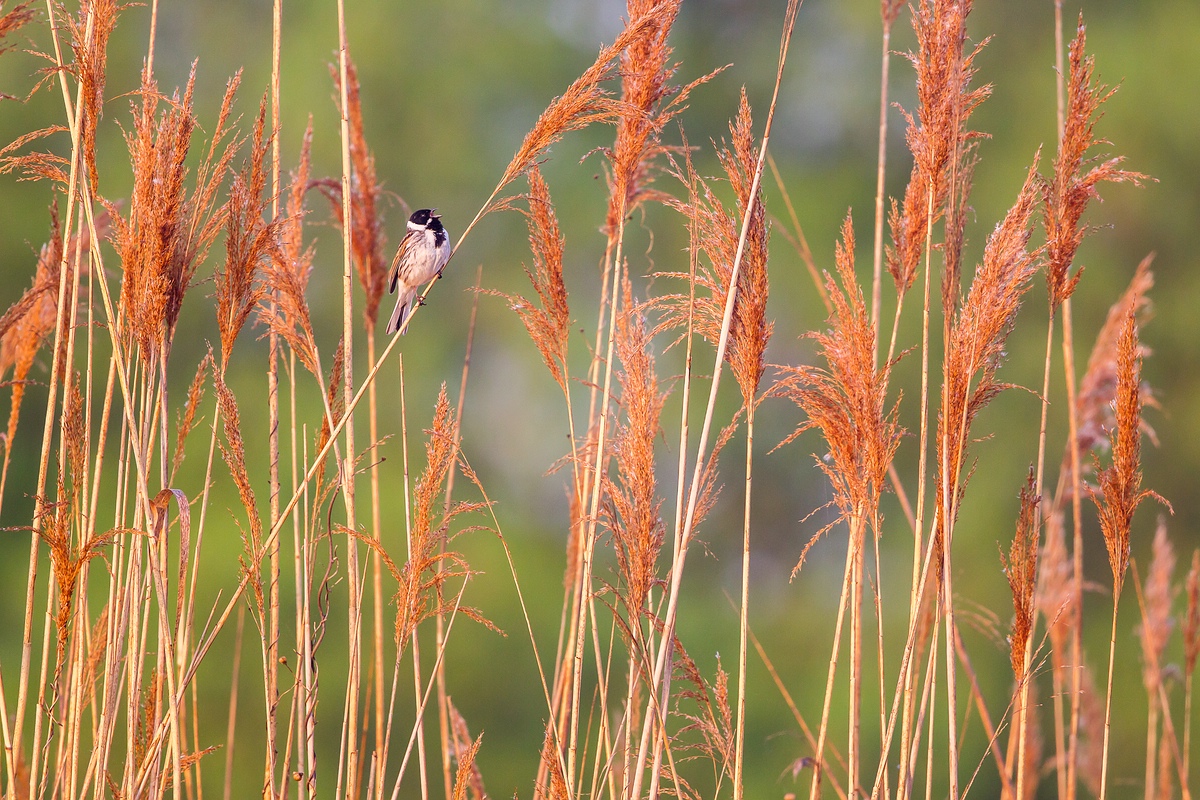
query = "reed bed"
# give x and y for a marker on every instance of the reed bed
(333, 629)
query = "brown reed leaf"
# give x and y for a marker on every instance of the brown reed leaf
(1158, 623)
(168, 231)
(939, 135)
(977, 337)
(367, 240)
(1094, 401)
(634, 508)
(846, 399)
(1191, 624)
(187, 416)
(1076, 178)
(1120, 484)
(548, 323)
(1020, 567)
(89, 32)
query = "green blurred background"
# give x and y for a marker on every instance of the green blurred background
(449, 90)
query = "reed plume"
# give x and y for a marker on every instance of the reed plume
(937, 136)
(1094, 402)
(549, 321)
(12, 21)
(846, 399)
(250, 241)
(1021, 569)
(634, 506)
(1076, 177)
(975, 348)
(1119, 491)
(168, 231)
(89, 33)
(288, 272)
(367, 238)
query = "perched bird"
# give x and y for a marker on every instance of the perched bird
(423, 253)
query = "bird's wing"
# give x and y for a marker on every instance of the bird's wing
(402, 251)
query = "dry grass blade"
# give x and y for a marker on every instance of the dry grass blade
(1076, 179)
(846, 400)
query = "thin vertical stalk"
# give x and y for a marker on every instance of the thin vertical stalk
(347, 465)
(272, 660)
(744, 620)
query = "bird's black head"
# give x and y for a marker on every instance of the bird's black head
(425, 218)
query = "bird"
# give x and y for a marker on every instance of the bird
(422, 255)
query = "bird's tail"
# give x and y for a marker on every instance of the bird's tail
(404, 304)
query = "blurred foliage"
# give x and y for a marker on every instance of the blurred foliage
(448, 91)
